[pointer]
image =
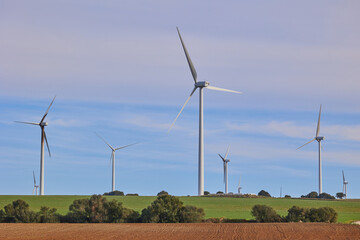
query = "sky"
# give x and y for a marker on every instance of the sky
(117, 68)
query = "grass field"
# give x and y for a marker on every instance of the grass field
(240, 208)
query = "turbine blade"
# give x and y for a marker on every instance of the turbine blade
(27, 123)
(221, 157)
(43, 118)
(47, 144)
(318, 125)
(126, 146)
(34, 179)
(222, 89)
(239, 182)
(187, 100)
(306, 144)
(343, 175)
(104, 141)
(227, 152)
(192, 68)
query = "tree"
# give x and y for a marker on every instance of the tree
(115, 193)
(263, 213)
(264, 193)
(326, 196)
(340, 195)
(324, 214)
(287, 196)
(219, 192)
(18, 212)
(49, 215)
(163, 192)
(296, 214)
(311, 195)
(206, 193)
(169, 209)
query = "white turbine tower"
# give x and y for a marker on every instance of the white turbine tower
(35, 189)
(113, 150)
(318, 139)
(344, 185)
(239, 188)
(201, 86)
(225, 162)
(42, 125)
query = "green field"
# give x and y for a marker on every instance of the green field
(239, 208)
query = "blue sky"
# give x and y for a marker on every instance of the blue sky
(118, 68)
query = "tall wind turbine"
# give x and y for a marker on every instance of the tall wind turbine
(225, 162)
(318, 139)
(113, 150)
(42, 125)
(239, 188)
(201, 86)
(35, 189)
(344, 184)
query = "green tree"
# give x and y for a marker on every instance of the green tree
(48, 215)
(296, 214)
(19, 212)
(206, 193)
(163, 192)
(263, 213)
(326, 196)
(191, 214)
(311, 195)
(264, 193)
(340, 195)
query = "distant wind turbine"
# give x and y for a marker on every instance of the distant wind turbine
(35, 190)
(344, 184)
(239, 188)
(201, 86)
(225, 162)
(318, 139)
(113, 150)
(42, 125)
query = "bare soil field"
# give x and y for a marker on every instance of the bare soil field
(180, 231)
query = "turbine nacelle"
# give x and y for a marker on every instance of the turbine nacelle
(43, 124)
(319, 138)
(202, 84)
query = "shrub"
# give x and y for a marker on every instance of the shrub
(310, 195)
(296, 214)
(163, 192)
(115, 193)
(169, 209)
(263, 213)
(326, 196)
(324, 214)
(48, 215)
(219, 192)
(18, 212)
(132, 194)
(340, 195)
(206, 193)
(264, 193)
(287, 196)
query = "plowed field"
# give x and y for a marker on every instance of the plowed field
(180, 231)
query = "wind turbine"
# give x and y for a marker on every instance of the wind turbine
(318, 139)
(201, 86)
(42, 125)
(239, 188)
(225, 161)
(113, 150)
(344, 184)
(35, 190)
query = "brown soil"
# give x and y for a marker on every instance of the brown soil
(201, 231)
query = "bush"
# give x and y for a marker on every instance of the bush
(264, 193)
(219, 192)
(169, 209)
(115, 193)
(98, 210)
(191, 214)
(206, 193)
(132, 194)
(326, 196)
(324, 214)
(263, 213)
(163, 192)
(297, 214)
(340, 195)
(310, 195)
(287, 196)
(48, 215)
(18, 212)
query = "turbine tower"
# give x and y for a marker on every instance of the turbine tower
(239, 188)
(344, 184)
(42, 125)
(35, 189)
(113, 150)
(201, 86)
(225, 161)
(318, 139)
